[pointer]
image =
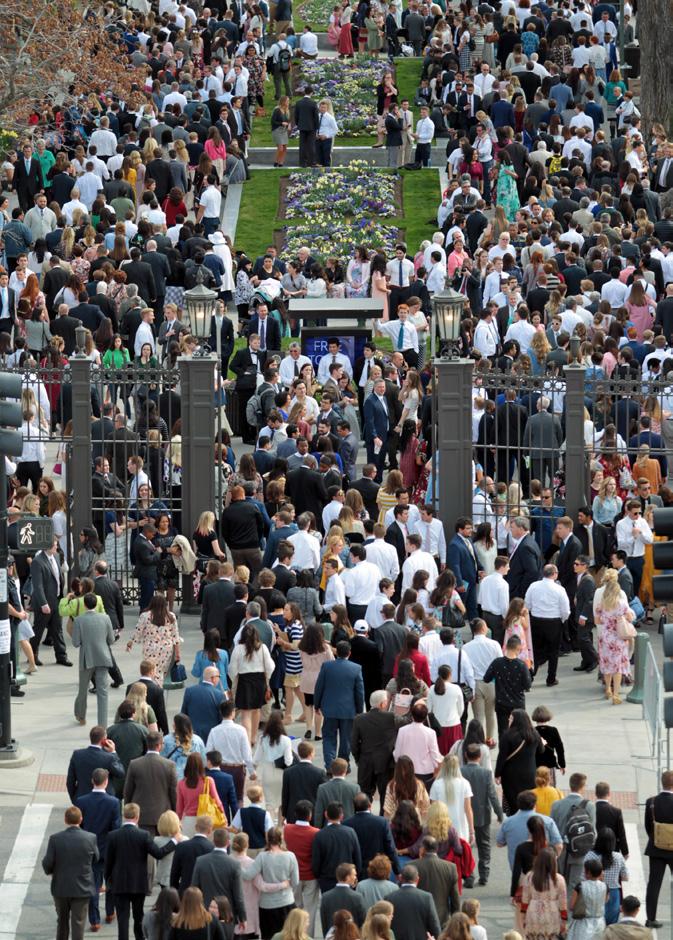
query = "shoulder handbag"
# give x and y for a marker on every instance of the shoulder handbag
(625, 629)
(208, 807)
(402, 702)
(178, 672)
(466, 689)
(663, 834)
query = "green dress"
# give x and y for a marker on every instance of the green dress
(508, 197)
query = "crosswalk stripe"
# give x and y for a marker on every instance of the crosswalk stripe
(21, 866)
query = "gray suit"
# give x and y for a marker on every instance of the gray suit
(69, 860)
(215, 874)
(93, 634)
(440, 879)
(483, 798)
(542, 436)
(570, 866)
(337, 790)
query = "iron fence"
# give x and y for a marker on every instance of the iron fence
(653, 705)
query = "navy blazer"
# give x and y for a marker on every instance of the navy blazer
(272, 331)
(224, 783)
(376, 419)
(339, 690)
(461, 562)
(82, 765)
(101, 814)
(201, 703)
(375, 838)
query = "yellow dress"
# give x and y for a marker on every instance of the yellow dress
(384, 501)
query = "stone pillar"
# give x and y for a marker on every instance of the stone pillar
(80, 467)
(454, 440)
(198, 462)
(576, 464)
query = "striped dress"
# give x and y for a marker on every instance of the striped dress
(295, 632)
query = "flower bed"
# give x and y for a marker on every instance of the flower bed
(352, 191)
(333, 211)
(317, 12)
(351, 85)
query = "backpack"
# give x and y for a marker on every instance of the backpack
(580, 833)
(284, 59)
(253, 411)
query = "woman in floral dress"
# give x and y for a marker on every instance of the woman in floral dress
(255, 65)
(517, 623)
(610, 606)
(508, 196)
(544, 907)
(157, 630)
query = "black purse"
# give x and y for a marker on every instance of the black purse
(466, 689)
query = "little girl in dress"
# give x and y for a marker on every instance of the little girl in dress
(517, 623)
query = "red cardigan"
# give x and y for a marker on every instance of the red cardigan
(188, 799)
(421, 666)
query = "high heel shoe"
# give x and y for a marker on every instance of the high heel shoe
(616, 700)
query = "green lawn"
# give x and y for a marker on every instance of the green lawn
(408, 79)
(258, 214)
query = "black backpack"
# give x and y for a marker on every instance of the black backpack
(580, 834)
(284, 59)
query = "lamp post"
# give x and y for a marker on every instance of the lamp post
(451, 413)
(200, 301)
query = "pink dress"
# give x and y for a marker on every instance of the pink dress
(641, 317)
(379, 282)
(613, 652)
(526, 652)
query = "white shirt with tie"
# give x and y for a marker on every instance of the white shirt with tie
(290, 369)
(326, 362)
(392, 329)
(400, 277)
(432, 533)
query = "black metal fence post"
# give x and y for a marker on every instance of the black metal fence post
(454, 440)
(80, 468)
(576, 482)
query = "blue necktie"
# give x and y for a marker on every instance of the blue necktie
(401, 274)
(262, 335)
(400, 337)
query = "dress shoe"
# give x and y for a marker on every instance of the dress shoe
(95, 928)
(80, 721)
(16, 692)
(38, 662)
(653, 924)
(63, 662)
(591, 667)
(580, 669)
(116, 685)
(483, 881)
(468, 882)
(109, 918)
(552, 682)
(47, 641)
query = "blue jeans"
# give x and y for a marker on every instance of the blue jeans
(330, 728)
(612, 906)
(210, 225)
(94, 909)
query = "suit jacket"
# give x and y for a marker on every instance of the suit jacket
(101, 815)
(306, 114)
(215, 873)
(525, 566)
(367, 489)
(7, 314)
(300, 782)
(152, 782)
(341, 898)
(389, 638)
(658, 807)
(161, 269)
(373, 742)
(610, 817)
(339, 690)
(113, 602)
(141, 274)
(414, 915)
(82, 764)
(565, 561)
(461, 561)
(27, 183)
(232, 618)
(160, 171)
(395, 536)
(584, 600)
(602, 543)
(244, 369)
(226, 336)
(285, 579)
(484, 796)
(375, 837)
(202, 704)
(69, 859)
(156, 700)
(93, 634)
(333, 845)
(216, 598)
(45, 589)
(272, 332)
(377, 420)
(146, 557)
(306, 488)
(337, 790)
(440, 879)
(184, 860)
(126, 859)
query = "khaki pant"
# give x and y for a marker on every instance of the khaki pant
(307, 896)
(483, 707)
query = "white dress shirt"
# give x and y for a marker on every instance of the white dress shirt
(384, 556)
(425, 131)
(629, 541)
(373, 614)
(306, 551)
(308, 43)
(615, 292)
(330, 513)
(287, 371)
(144, 335)
(413, 518)
(448, 655)
(523, 332)
(419, 561)
(326, 362)
(481, 651)
(548, 600)
(361, 582)
(334, 592)
(231, 740)
(432, 533)
(393, 272)
(391, 328)
(486, 338)
(494, 594)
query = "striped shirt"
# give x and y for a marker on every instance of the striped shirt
(295, 632)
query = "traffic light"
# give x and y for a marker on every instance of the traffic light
(662, 553)
(11, 441)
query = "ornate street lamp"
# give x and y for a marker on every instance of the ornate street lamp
(447, 309)
(80, 342)
(200, 302)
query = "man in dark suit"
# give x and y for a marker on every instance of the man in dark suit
(147, 559)
(286, 578)
(342, 897)
(484, 798)
(102, 753)
(610, 817)
(377, 425)
(217, 874)
(189, 851)
(373, 832)
(28, 180)
(663, 173)
(660, 809)
(414, 914)
(7, 305)
(141, 274)
(462, 560)
(584, 614)
(333, 846)
(246, 365)
(367, 487)
(306, 488)
(233, 616)
(46, 577)
(439, 878)
(335, 790)
(525, 562)
(307, 119)
(569, 547)
(155, 693)
(267, 329)
(396, 535)
(126, 857)
(389, 638)
(300, 782)
(201, 703)
(69, 859)
(100, 815)
(217, 597)
(159, 170)
(151, 781)
(113, 603)
(89, 315)
(339, 695)
(595, 539)
(510, 425)
(221, 325)
(161, 269)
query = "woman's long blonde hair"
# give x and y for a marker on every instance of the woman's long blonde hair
(613, 592)
(448, 772)
(438, 821)
(205, 523)
(138, 696)
(376, 927)
(296, 925)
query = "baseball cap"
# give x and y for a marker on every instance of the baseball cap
(361, 626)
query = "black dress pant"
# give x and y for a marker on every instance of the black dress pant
(657, 870)
(51, 623)
(546, 633)
(586, 644)
(373, 781)
(325, 151)
(29, 471)
(495, 624)
(124, 904)
(307, 142)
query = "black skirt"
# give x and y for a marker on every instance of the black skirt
(250, 690)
